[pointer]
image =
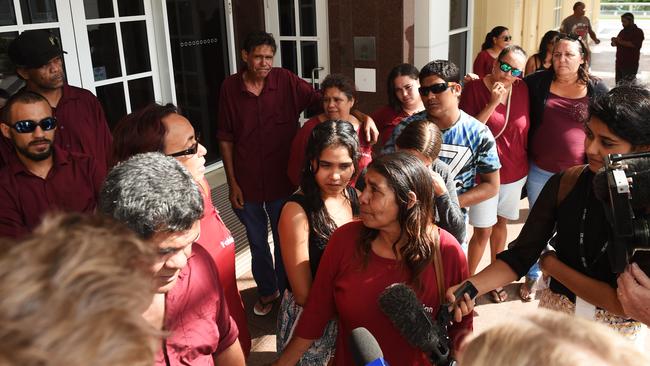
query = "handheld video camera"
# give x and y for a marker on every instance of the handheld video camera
(628, 183)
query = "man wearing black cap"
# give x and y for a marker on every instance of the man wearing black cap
(82, 125)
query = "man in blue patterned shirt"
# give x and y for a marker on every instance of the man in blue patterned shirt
(468, 146)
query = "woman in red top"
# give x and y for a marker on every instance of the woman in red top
(500, 100)
(403, 100)
(339, 95)
(162, 128)
(495, 41)
(395, 242)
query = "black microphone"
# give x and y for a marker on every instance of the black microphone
(365, 349)
(407, 314)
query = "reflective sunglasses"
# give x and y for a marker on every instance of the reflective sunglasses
(189, 151)
(28, 125)
(505, 67)
(435, 88)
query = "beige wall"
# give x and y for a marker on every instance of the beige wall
(527, 20)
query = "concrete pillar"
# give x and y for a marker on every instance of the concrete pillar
(431, 39)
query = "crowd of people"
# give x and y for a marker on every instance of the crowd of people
(114, 253)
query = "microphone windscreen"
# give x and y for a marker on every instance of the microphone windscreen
(407, 314)
(365, 348)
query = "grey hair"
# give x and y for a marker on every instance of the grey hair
(151, 193)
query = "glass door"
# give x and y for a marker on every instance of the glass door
(17, 16)
(116, 53)
(300, 28)
(199, 47)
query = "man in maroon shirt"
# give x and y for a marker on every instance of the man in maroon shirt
(189, 303)
(40, 177)
(628, 49)
(82, 125)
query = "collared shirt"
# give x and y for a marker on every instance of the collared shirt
(628, 57)
(196, 315)
(81, 128)
(261, 129)
(72, 185)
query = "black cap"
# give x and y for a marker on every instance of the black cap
(34, 48)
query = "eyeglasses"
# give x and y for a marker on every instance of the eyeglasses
(189, 151)
(507, 38)
(28, 126)
(505, 67)
(435, 88)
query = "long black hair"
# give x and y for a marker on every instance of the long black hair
(543, 44)
(332, 133)
(397, 71)
(495, 32)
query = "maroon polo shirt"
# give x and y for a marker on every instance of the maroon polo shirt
(628, 57)
(262, 128)
(72, 185)
(81, 128)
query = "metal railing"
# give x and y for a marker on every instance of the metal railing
(617, 9)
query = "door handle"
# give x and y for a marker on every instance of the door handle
(313, 75)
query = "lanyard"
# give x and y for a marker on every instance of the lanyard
(581, 237)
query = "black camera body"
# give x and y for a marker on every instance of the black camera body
(627, 183)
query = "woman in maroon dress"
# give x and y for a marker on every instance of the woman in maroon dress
(164, 129)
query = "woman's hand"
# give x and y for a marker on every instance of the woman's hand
(497, 93)
(460, 307)
(546, 261)
(469, 77)
(439, 186)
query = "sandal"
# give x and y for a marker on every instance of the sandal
(498, 295)
(264, 304)
(526, 292)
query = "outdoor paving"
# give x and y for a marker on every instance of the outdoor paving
(263, 328)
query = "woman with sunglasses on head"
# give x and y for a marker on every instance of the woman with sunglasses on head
(403, 100)
(162, 128)
(495, 41)
(582, 281)
(324, 202)
(542, 60)
(559, 100)
(500, 100)
(396, 241)
(339, 95)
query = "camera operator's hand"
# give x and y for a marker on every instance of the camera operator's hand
(461, 307)
(634, 293)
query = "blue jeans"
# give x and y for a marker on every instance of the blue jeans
(537, 178)
(255, 217)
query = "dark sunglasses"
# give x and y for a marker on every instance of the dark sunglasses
(27, 126)
(189, 151)
(571, 36)
(435, 88)
(505, 67)
(507, 38)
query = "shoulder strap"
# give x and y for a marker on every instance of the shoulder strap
(568, 181)
(437, 265)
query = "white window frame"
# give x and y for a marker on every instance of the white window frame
(468, 29)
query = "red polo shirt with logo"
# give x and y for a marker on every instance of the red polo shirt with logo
(81, 128)
(262, 128)
(72, 185)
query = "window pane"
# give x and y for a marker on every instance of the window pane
(289, 55)
(141, 92)
(103, 51)
(307, 18)
(112, 98)
(8, 78)
(7, 13)
(309, 57)
(136, 47)
(38, 11)
(98, 9)
(130, 7)
(457, 14)
(287, 18)
(458, 51)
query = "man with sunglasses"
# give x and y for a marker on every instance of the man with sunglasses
(38, 57)
(40, 177)
(468, 146)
